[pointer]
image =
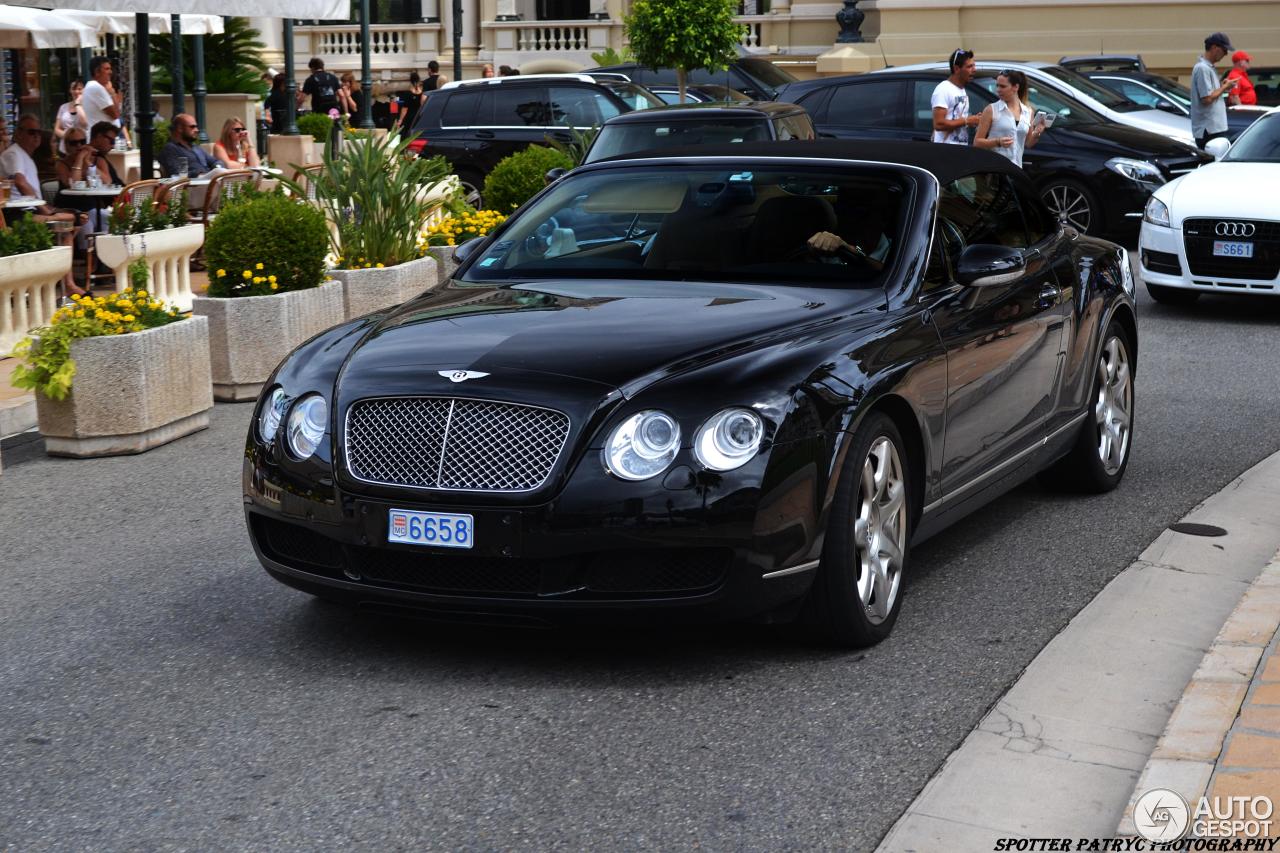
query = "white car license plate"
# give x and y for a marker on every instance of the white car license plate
(1228, 249)
(441, 529)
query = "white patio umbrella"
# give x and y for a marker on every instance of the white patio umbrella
(22, 28)
(322, 9)
(123, 23)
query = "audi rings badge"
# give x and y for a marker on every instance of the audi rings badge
(1235, 229)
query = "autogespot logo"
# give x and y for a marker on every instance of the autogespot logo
(1235, 229)
(1161, 815)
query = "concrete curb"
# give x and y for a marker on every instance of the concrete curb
(1186, 754)
(1059, 755)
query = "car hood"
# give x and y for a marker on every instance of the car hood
(1159, 121)
(608, 334)
(1224, 190)
(1134, 141)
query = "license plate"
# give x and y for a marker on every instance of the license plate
(439, 529)
(1227, 249)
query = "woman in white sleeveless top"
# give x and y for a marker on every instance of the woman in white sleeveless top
(1005, 126)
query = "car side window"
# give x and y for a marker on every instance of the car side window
(460, 110)
(940, 271)
(572, 106)
(1041, 224)
(983, 208)
(868, 104)
(793, 127)
(514, 107)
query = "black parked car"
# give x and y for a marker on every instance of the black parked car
(476, 123)
(670, 93)
(1153, 90)
(738, 381)
(699, 124)
(1081, 161)
(758, 79)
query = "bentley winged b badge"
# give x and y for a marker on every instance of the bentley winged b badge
(462, 375)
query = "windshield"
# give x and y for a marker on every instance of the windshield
(1069, 112)
(727, 223)
(1085, 86)
(1260, 143)
(636, 97)
(1173, 90)
(766, 72)
(630, 137)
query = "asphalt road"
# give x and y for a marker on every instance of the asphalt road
(159, 691)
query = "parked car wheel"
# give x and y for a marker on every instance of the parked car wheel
(857, 594)
(1172, 295)
(1097, 461)
(1074, 204)
(472, 184)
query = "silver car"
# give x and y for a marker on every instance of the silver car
(1115, 107)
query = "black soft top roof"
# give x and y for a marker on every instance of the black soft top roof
(706, 111)
(946, 162)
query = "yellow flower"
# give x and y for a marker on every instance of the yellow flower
(258, 267)
(141, 293)
(247, 274)
(274, 285)
(222, 273)
(80, 312)
(271, 279)
(379, 266)
(257, 279)
(128, 318)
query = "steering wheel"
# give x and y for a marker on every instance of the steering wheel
(537, 243)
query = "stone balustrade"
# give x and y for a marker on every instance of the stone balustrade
(29, 292)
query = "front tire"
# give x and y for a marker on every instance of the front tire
(1097, 461)
(1073, 204)
(1172, 295)
(857, 594)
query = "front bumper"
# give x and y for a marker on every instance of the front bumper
(1163, 261)
(588, 554)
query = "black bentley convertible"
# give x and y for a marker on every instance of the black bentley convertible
(737, 381)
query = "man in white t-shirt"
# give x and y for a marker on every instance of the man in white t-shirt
(16, 163)
(950, 102)
(100, 101)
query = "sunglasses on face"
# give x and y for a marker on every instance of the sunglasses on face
(239, 130)
(71, 143)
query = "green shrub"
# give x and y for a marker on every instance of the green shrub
(517, 178)
(146, 216)
(26, 235)
(317, 125)
(263, 243)
(377, 195)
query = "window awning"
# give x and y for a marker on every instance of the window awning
(321, 9)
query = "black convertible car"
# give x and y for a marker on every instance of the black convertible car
(736, 381)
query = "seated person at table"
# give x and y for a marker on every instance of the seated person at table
(182, 149)
(234, 148)
(83, 153)
(16, 163)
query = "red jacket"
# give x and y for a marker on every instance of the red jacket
(1244, 88)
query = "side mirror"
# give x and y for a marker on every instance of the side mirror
(467, 249)
(554, 175)
(1168, 107)
(1217, 147)
(982, 265)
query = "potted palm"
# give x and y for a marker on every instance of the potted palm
(267, 288)
(30, 269)
(163, 237)
(117, 374)
(377, 196)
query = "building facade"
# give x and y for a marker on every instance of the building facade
(800, 35)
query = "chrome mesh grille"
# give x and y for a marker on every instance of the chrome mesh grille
(454, 444)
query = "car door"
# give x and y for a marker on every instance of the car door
(866, 109)
(516, 117)
(579, 108)
(1003, 341)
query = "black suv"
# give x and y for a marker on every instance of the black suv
(699, 124)
(758, 79)
(476, 123)
(1084, 160)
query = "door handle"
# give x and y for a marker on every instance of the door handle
(1049, 295)
(484, 134)
(562, 136)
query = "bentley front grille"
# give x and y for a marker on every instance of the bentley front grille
(453, 444)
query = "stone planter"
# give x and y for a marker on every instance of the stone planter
(446, 266)
(131, 392)
(250, 335)
(168, 253)
(29, 292)
(366, 291)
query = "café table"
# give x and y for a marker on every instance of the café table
(18, 202)
(98, 196)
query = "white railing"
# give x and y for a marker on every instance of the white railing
(345, 41)
(541, 36)
(751, 36)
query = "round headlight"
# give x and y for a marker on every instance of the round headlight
(729, 439)
(271, 415)
(306, 425)
(642, 446)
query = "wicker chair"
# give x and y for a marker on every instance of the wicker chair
(137, 191)
(307, 176)
(221, 187)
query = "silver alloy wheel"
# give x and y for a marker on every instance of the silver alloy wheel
(471, 193)
(1113, 411)
(1070, 206)
(880, 530)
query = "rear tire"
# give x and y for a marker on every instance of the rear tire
(1097, 461)
(857, 594)
(472, 187)
(1172, 295)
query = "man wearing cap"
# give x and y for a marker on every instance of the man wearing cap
(1244, 92)
(1208, 107)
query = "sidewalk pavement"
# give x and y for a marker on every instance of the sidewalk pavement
(1165, 680)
